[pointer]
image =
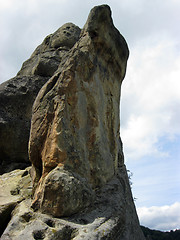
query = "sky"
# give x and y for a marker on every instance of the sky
(150, 96)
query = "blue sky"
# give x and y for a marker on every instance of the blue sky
(150, 98)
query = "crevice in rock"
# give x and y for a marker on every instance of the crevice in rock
(5, 216)
(50, 222)
(39, 234)
(26, 216)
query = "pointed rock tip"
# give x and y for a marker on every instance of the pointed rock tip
(97, 15)
(102, 31)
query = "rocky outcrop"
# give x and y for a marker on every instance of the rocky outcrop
(80, 184)
(112, 216)
(14, 188)
(75, 123)
(18, 94)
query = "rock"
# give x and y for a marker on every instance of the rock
(112, 217)
(18, 94)
(5, 214)
(27, 224)
(75, 121)
(81, 188)
(14, 187)
(46, 58)
(72, 193)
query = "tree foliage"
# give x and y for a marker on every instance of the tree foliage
(159, 235)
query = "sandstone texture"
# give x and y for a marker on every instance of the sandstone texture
(14, 188)
(75, 121)
(112, 216)
(78, 180)
(18, 94)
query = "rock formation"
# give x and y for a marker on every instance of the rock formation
(14, 188)
(75, 121)
(18, 94)
(80, 185)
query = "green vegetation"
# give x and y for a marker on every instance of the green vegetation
(158, 235)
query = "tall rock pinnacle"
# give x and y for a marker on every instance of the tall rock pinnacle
(80, 184)
(75, 121)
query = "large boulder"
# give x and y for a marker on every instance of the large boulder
(18, 94)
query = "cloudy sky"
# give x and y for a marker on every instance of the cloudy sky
(150, 100)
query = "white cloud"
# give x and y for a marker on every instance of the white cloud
(150, 96)
(6, 4)
(161, 218)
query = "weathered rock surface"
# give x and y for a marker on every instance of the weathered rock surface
(112, 217)
(80, 185)
(18, 94)
(75, 122)
(14, 188)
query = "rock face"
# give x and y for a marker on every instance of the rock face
(18, 94)
(111, 217)
(80, 185)
(14, 187)
(75, 121)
